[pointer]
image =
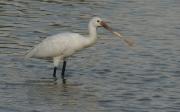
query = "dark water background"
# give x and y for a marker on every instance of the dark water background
(107, 77)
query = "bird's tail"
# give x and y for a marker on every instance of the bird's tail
(30, 53)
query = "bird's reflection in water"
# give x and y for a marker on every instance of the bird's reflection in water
(57, 96)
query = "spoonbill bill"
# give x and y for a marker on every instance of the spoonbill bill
(60, 46)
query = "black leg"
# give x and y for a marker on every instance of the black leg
(63, 71)
(54, 73)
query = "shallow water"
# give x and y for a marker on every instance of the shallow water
(107, 77)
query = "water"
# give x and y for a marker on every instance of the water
(107, 77)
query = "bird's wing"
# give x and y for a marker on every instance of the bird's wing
(54, 45)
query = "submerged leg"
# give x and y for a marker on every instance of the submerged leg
(63, 71)
(56, 61)
(54, 73)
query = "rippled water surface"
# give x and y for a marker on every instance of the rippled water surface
(107, 77)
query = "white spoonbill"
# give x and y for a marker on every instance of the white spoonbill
(63, 45)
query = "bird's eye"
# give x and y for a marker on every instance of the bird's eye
(98, 21)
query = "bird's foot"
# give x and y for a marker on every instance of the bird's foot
(55, 78)
(64, 81)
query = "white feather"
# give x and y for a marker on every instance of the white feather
(63, 45)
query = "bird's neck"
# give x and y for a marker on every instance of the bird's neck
(92, 33)
(92, 36)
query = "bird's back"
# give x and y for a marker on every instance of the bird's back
(57, 45)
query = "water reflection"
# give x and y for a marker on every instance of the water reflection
(68, 97)
(106, 77)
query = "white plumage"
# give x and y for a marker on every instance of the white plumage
(63, 45)
(59, 46)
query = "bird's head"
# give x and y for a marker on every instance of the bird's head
(98, 22)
